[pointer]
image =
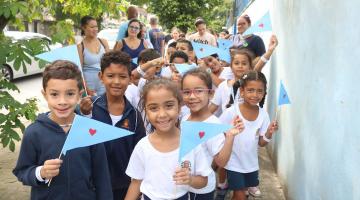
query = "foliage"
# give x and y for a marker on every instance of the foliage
(182, 14)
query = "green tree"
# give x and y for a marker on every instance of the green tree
(20, 52)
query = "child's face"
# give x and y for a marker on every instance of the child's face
(62, 97)
(196, 94)
(253, 92)
(240, 65)
(180, 46)
(162, 110)
(213, 64)
(115, 79)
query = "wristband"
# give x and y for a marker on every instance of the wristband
(140, 71)
(266, 139)
(262, 58)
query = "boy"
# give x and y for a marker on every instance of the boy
(113, 108)
(83, 172)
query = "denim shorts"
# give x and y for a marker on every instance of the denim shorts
(239, 181)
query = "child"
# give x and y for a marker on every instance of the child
(83, 172)
(242, 168)
(186, 46)
(153, 164)
(113, 108)
(197, 91)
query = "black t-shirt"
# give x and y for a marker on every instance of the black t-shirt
(253, 43)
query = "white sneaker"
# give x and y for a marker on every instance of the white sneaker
(254, 191)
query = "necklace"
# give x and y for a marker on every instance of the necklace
(65, 125)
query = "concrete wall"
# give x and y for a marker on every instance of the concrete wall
(317, 148)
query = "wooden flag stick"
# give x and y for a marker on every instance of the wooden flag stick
(51, 178)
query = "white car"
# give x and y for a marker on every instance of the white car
(110, 35)
(9, 71)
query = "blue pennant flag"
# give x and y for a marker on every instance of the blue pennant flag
(224, 44)
(224, 54)
(69, 53)
(135, 60)
(283, 96)
(183, 68)
(204, 50)
(85, 132)
(194, 133)
(262, 25)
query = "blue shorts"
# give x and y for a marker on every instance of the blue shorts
(240, 181)
(207, 196)
(185, 197)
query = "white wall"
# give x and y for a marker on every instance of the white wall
(317, 149)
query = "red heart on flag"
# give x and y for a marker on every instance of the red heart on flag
(261, 25)
(201, 134)
(92, 131)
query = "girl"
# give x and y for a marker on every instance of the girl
(90, 51)
(153, 163)
(132, 43)
(219, 73)
(196, 90)
(242, 168)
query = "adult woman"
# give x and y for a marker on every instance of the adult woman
(90, 51)
(252, 42)
(132, 43)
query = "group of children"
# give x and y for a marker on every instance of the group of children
(151, 101)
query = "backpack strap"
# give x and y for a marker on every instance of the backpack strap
(82, 47)
(101, 42)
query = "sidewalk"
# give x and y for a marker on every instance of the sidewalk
(11, 189)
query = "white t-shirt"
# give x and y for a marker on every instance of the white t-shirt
(222, 96)
(207, 38)
(211, 148)
(244, 155)
(166, 72)
(132, 94)
(156, 170)
(115, 118)
(227, 74)
(141, 84)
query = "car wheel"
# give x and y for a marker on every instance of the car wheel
(7, 72)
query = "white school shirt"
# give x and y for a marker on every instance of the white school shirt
(227, 74)
(244, 155)
(222, 96)
(156, 170)
(115, 118)
(211, 148)
(132, 94)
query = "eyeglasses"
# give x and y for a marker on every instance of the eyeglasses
(135, 28)
(196, 92)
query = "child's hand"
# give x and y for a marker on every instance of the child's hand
(182, 176)
(273, 42)
(86, 105)
(50, 168)
(238, 127)
(158, 62)
(176, 76)
(273, 127)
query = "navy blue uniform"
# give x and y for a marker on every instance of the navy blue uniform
(118, 151)
(83, 174)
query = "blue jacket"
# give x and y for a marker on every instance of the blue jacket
(118, 151)
(83, 174)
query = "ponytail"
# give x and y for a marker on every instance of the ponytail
(235, 88)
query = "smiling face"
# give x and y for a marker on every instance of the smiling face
(242, 25)
(213, 64)
(115, 78)
(134, 29)
(162, 110)
(239, 65)
(253, 92)
(62, 96)
(90, 29)
(196, 94)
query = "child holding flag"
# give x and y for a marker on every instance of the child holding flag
(113, 108)
(197, 90)
(83, 172)
(153, 165)
(242, 168)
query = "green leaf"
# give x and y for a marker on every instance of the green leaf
(12, 146)
(5, 141)
(14, 135)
